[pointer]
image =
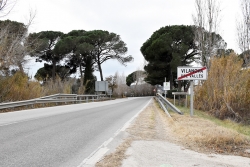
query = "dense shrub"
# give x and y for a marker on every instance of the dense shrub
(18, 87)
(226, 92)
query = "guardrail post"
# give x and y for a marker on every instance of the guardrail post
(87, 99)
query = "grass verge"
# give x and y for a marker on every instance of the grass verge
(239, 127)
(201, 133)
(205, 133)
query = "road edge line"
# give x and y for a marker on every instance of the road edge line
(96, 155)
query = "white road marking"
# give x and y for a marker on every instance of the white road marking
(95, 156)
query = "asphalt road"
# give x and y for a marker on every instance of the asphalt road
(64, 135)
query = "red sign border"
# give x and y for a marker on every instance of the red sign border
(191, 73)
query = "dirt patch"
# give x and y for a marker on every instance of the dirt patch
(193, 133)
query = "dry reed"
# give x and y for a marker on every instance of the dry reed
(226, 92)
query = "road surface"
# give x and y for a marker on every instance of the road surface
(62, 136)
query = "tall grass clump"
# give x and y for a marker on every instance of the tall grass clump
(18, 87)
(226, 92)
(57, 86)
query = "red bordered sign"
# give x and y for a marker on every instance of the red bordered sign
(191, 73)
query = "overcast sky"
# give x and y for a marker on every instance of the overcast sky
(134, 20)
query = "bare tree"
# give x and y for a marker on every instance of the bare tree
(206, 21)
(213, 11)
(243, 31)
(138, 77)
(112, 81)
(139, 86)
(121, 88)
(3, 4)
(13, 44)
(6, 6)
(199, 22)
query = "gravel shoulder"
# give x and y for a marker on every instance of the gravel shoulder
(166, 154)
(153, 142)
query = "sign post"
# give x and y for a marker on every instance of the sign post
(191, 73)
(191, 98)
(166, 86)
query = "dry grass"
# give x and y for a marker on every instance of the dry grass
(18, 87)
(116, 158)
(225, 93)
(194, 133)
(206, 133)
(206, 136)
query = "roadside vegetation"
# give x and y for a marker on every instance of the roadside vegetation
(18, 87)
(227, 123)
(202, 133)
(225, 94)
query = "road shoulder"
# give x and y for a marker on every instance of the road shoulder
(151, 142)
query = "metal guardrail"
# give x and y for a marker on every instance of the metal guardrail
(181, 93)
(166, 103)
(59, 96)
(163, 107)
(56, 98)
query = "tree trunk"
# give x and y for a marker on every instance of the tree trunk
(20, 66)
(100, 70)
(171, 80)
(54, 70)
(81, 83)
